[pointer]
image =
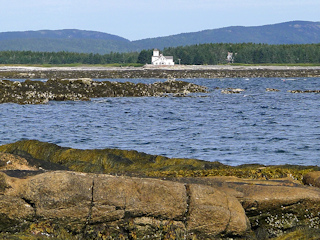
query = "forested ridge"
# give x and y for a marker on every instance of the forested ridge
(210, 54)
(82, 41)
(246, 53)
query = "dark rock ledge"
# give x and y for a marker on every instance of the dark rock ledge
(36, 92)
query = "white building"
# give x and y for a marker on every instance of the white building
(159, 59)
(230, 57)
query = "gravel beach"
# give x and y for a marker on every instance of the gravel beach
(150, 71)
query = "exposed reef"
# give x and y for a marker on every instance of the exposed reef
(76, 83)
(166, 198)
(304, 91)
(36, 92)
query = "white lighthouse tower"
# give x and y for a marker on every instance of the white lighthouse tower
(156, 52)
(159, 59)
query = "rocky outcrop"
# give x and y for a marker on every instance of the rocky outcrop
(94, 206)
(35, 92)
(312, 179)
(272, 206)
(216, 203)
(104, 205)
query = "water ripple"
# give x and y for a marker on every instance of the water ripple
(263, 127)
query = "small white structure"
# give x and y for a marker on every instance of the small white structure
(230, 57)
(159, 59)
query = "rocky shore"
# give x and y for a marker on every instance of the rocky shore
(159, 202)
(149, 71)
(75, 83)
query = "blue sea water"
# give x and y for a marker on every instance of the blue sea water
(251, 127)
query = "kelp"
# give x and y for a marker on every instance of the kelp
(139, 163)
(102, 160)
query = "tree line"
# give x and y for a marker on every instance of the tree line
(30, 57)
(211, 54)
(246, 53)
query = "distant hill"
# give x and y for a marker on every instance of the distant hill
(101, 46)
(60, 34)
(297, 32)
(73, 40)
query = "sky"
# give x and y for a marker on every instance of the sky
(140, 19)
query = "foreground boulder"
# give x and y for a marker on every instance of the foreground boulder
(92, 205)
(273, 207)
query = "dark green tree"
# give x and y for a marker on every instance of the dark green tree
(145, 56)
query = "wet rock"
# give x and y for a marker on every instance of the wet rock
(82, 89)
(272, 90)
(232, 90)
(304, 91)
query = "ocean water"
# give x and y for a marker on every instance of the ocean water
(251, 127)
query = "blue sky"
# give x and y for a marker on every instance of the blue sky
(140, 19)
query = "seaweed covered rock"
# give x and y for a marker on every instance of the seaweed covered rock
(35, 92)
(91, 204)
(98, 160)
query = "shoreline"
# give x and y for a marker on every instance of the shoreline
(51, 185)
(149, 71)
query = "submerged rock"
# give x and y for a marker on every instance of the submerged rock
(232, 90)
(82, 89)
(272, 90)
